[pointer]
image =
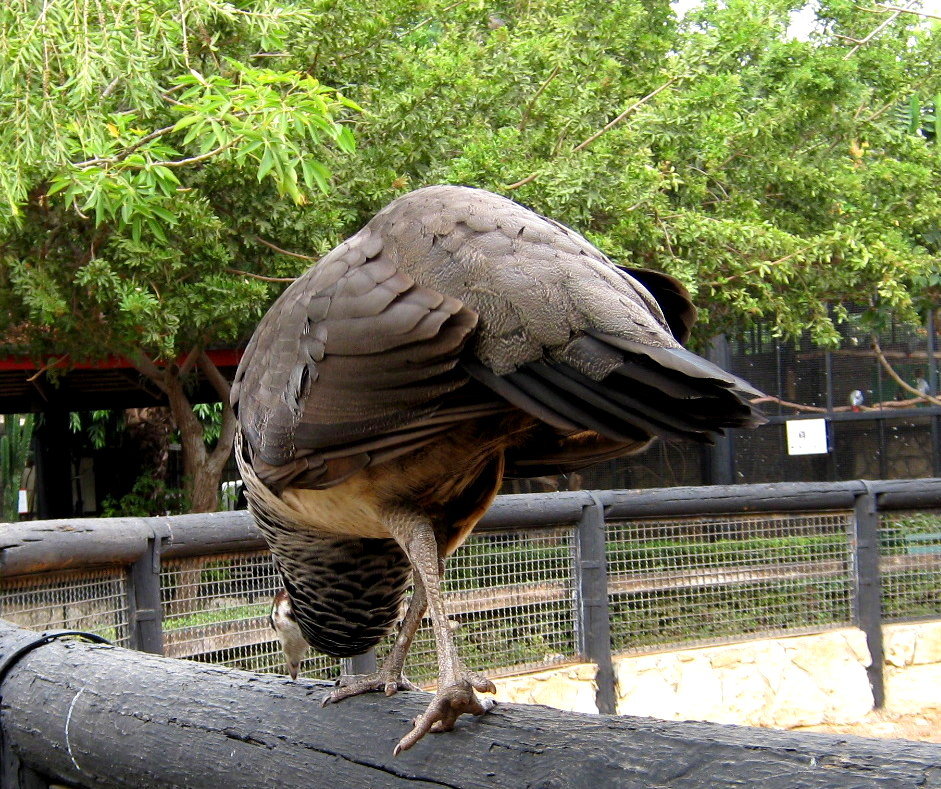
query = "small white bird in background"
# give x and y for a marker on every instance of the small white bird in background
(857, 399)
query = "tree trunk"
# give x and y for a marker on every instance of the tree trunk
(202, 469)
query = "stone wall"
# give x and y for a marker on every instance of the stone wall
(913, 666)
(781, 683)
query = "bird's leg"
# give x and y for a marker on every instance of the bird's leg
(389, 678)
(456, 685)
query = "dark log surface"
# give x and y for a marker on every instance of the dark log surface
(102, 716)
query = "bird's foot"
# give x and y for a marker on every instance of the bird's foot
(353, 685)
(449, 703)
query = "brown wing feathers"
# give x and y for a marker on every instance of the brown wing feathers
(448, 283)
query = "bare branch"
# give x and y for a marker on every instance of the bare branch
(879, 28)
(223, 447)
(190, 360)
(877, 349)
(623, 115)
(528, 179)
(431, 18)
(585, 143)
(201, 157)
(276, 248)
(884, 8)
(147, 367)
(215, 378)
(840, 408)
(259, 276)
(48, 366)
(536, 95)
(126, 152)
(111, 86)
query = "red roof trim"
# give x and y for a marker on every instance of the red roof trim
(221, 357)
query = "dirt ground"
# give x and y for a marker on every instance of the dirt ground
(923, 726)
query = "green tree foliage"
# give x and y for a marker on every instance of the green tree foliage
(775, 176)
(15, 442)
(131, 132)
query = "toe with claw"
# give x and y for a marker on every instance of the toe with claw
(353, 685)
(447, 706)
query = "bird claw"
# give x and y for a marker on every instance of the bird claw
(353, 685)
(447, 706)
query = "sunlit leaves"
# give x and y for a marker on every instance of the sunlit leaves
(123, 120)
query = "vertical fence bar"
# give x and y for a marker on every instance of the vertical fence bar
(720, 457)
(145, 614)
(361, 664)
(592, 619)
(932, 373)
(868, 591)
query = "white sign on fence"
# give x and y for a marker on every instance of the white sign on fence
(806, 436)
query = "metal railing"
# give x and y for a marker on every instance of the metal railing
(545, 579)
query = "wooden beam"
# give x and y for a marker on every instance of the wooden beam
(100, 716)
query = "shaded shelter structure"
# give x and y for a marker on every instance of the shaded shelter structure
(56, 387)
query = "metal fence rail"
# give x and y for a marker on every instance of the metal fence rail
(546, 578)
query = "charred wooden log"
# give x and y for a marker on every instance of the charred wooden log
(93, 715)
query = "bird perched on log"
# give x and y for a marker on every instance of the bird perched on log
(457, 338)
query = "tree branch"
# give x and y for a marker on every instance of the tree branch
(216, 379)
(220, 454)
(276, 248)
(840, 408)
(611, 124)
(190, 360)
(201, 157)
(260, 276)
(882, 26)
(877, 349)
(884, 8)
(528, 179)
(127, 151)
(623, 115)
(147, 367)
(536, 95)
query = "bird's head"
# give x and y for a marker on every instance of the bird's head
(285, 626)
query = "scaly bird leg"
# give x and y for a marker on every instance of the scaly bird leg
(389, 678)
(456, 685)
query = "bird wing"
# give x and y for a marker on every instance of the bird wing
(349, 368)
(368, 355)
(590, 349)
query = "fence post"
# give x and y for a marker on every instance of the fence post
(361, 664)
(592, 619)
(145, 613)
(868, 588)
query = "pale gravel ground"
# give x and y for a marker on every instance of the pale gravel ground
(923, 726)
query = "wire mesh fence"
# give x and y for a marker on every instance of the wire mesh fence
(517, 592)
(510, 599)
(93, 601)
(708, 579)
(216, 608)
(910, 565)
